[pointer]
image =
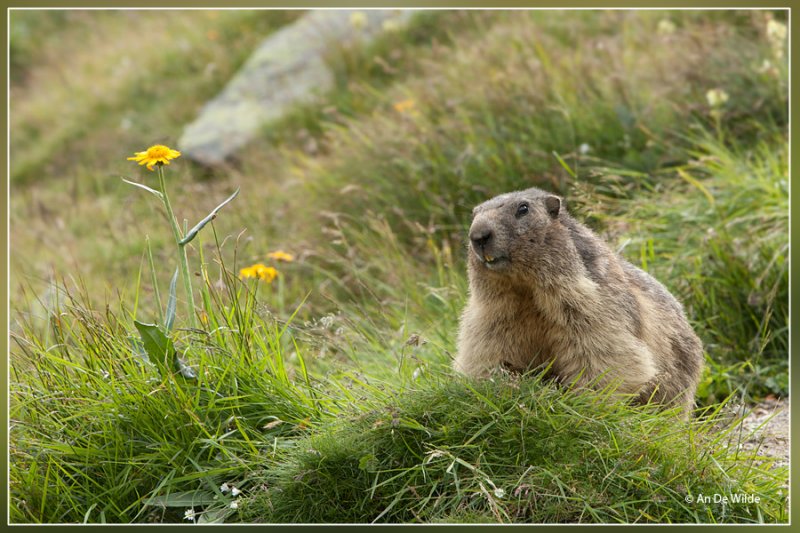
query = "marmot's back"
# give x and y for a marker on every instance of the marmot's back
(545, 289)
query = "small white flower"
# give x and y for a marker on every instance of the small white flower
(358, 19)
(189, 514)
(716, 97)
(776, 35)
(584, 149)
(234, 505)
(776, 31)
(390, 25)
(499, 493)
(666, 27)
(235, 491)
(327, 321)
(224, 488)
(417, 373)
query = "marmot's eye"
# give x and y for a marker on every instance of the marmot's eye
(522, 210)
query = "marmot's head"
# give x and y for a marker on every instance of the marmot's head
(517, 233)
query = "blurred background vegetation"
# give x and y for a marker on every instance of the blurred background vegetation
(371, 186)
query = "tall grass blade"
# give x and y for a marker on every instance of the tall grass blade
(565, 165)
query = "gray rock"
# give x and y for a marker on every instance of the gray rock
(287, 68)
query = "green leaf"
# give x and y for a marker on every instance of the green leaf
(193, 232)
(145, 187)
(160, 348)
(184, 499)
(161, 351)
(410, 423)
(172, 301)
(137, 348)
(215, 516)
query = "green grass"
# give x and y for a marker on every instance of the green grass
(463, 145)
(101, 431)
(508, 451)
(101, 435)
(326, 396)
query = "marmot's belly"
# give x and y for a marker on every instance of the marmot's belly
(585, 352)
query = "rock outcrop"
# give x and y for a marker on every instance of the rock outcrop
(287, 68)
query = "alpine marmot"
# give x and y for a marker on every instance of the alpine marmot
(545, 290)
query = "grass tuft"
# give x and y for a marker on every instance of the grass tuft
(510, 451)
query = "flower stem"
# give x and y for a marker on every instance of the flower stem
(184, 264)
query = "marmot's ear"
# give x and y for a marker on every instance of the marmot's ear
(553, 205)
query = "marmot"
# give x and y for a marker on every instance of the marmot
(545, 290)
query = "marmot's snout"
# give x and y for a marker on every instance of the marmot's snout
(480, 234)
(484, 243)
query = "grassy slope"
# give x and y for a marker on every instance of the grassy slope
(418, 174)
(546, 83)
(507, 451)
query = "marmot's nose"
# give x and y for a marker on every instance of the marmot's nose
(480, 235)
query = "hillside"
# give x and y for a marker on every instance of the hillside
(325, 394)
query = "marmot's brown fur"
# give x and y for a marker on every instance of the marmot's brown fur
(546, 290)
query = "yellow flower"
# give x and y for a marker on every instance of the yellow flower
(155, 155)
(266, 273)
(280, 255)
(259, 271)
(404, 106)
